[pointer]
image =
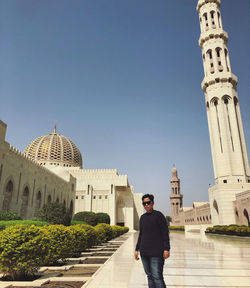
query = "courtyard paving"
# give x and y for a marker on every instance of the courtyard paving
(196, 261)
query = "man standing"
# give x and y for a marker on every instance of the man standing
(153, 243)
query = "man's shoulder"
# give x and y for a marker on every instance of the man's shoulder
(159, 213)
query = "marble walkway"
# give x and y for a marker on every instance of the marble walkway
(196, 261)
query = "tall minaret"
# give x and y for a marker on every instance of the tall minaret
(175, 197)
(229, 153)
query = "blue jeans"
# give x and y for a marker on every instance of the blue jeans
(153, 267)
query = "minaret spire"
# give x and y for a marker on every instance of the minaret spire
(228, 147)
(55, 128)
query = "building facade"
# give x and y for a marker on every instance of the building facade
(50, 170)
(25, 185)
(228, 147)
(229, 198)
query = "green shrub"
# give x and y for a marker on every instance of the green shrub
(4, 224)
(55, 213)
(229, 230)
(86, 216)
(58, 241)
(9, 216)
(80, 239)
(91, 235)
(73, 222)
(102, 218)
(21, 250)
(125, 229)
(101, 234)
(117, 230)
(177, 228)
(108, 231)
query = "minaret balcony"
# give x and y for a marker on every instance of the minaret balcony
(213, 34)
(203, 2)
(219, 77)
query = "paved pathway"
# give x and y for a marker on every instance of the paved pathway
(196, 261)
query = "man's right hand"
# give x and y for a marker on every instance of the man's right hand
(136, 255)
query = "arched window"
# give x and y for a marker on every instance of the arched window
(247, 216)
(38, 200)
(57, 200)
(210, 57)
(218, 55)
(25, 202)
(206, 20)
(177, 207)
(213, 20)
(8, 193)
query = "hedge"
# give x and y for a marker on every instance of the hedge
(25, 248)
(91, 235)
(229, 230)
(108, 232)
(21, 250)
(86, 216)
(73, 222)
(119, 230)
(102, 218)
(9, 216)
(177, 228)
(4, 224)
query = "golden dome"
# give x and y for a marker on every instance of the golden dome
(54, 149)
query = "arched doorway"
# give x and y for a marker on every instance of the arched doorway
(247, 216)
(120, 211)
(8, 193)
(25, 202)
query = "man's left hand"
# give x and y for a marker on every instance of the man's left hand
(166, 254)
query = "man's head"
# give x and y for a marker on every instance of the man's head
(148, 202)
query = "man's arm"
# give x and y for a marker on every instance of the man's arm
(137, 248)
(165, 235)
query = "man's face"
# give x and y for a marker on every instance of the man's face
(148, 204)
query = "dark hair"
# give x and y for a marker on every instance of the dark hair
(150, 196)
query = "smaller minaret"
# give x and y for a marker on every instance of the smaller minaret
(175, 197)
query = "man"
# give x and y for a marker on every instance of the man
(153, 243)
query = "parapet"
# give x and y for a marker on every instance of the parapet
(3, 128)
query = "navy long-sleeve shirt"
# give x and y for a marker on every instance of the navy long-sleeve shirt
(153, 238)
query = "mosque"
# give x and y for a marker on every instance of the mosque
(229, 198)
(50, 170)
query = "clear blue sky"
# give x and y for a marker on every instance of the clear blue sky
(122, 80)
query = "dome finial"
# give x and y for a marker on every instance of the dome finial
(55, 129)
